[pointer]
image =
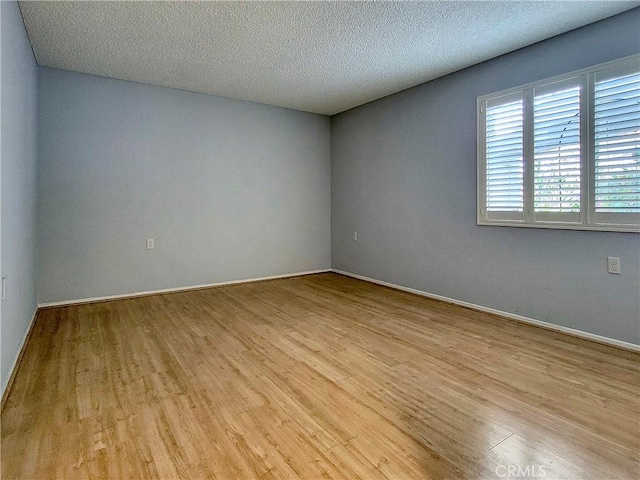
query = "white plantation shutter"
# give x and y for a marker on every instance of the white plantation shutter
(563, 152)
(504, 186)
(617, 145)
(557, 151)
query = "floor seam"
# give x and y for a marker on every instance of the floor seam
(502, 441)
(341, 443)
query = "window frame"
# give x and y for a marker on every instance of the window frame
(588, 218)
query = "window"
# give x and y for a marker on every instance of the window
(563, 152)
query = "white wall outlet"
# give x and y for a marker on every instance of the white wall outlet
(355, 236)
(613, 265)
(151, 244)
(4, 287)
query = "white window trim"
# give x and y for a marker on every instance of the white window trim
(587, 215)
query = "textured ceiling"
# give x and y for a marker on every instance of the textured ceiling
(322, 57)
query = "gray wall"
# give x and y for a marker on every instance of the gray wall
(19, 85)
(404, 177)
(229, 190)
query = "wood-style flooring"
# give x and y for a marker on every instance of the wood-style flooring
(321, 376)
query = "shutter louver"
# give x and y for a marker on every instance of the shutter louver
(504, 154)
(617, 145)
(557, 156)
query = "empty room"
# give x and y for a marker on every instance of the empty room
(305, 240)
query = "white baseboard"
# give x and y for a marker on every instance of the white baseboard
(539, 323)
(550, 326)
(16, 361)
(174, 290)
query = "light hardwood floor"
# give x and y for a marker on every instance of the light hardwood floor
(320, 376)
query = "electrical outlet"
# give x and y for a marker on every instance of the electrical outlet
(151, 244)
(355, 236)
(4, 288)
(613, 265)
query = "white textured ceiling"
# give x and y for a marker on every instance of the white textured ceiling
(323, 57)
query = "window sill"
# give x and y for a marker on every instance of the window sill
(562, 226)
